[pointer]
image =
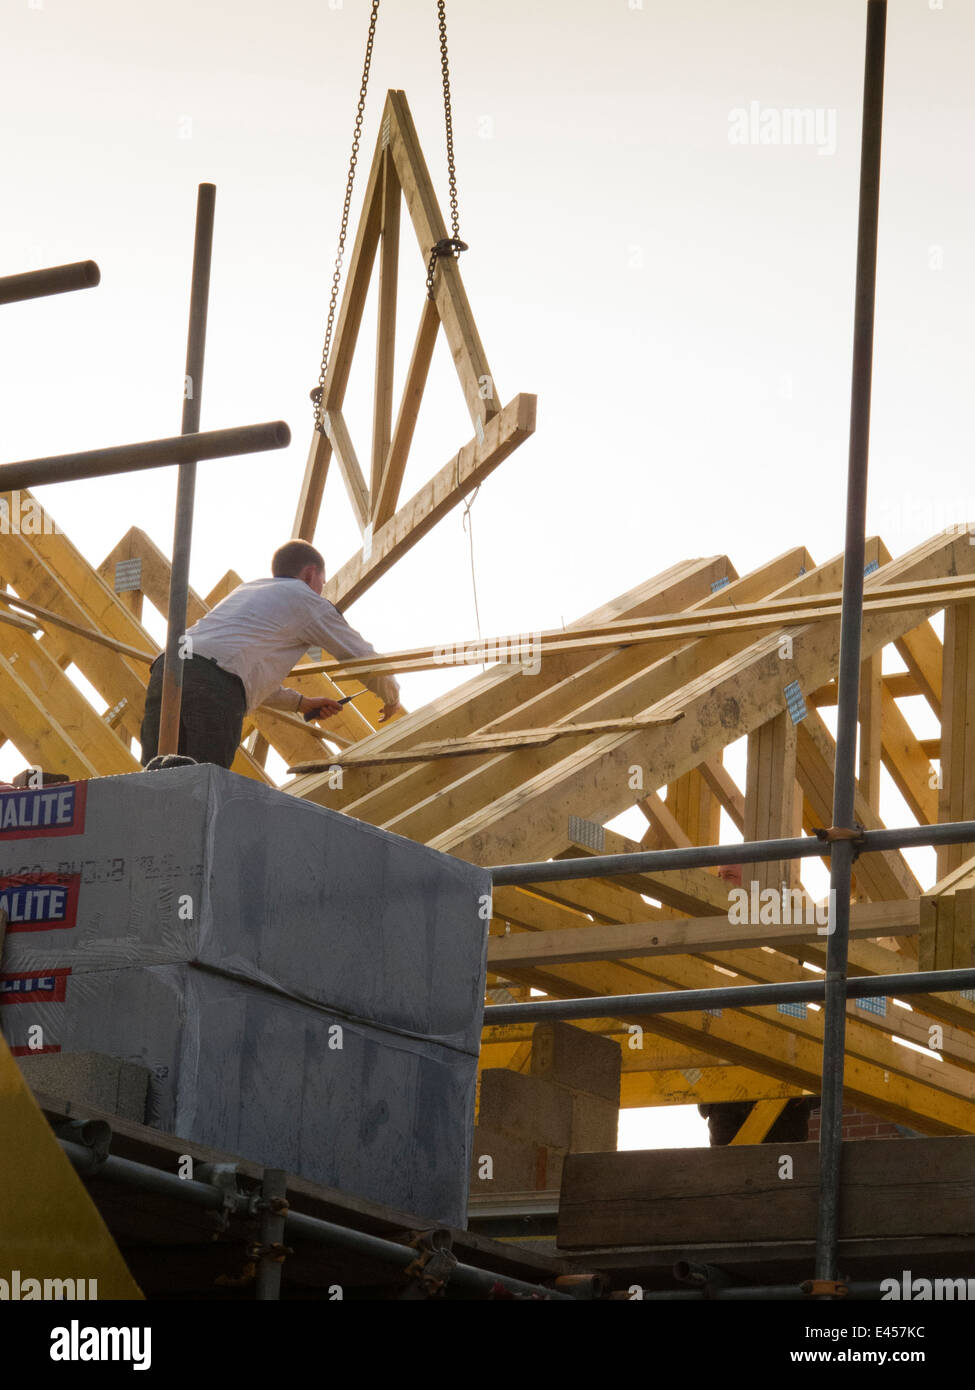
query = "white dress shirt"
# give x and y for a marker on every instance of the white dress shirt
(264, 627)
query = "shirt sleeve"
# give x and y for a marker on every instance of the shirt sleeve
(331, 631)
(283, 698)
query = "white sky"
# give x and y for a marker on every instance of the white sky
(681, 304)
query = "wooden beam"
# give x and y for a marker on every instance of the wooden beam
(696, 1085)
(890, 1187)
(760, 1120)
(385, 496)
(382, 424)
(871, 728)
(668, 626)
(725, 789)
(906, 763)
(466, 349)
(483, 743)
(346, 335)
(773, 811)
(344, 451)
(956, 797)
(665, 937)
(46, 618)
(695, 808)
(665, 829)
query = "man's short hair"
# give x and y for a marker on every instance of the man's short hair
(291, 558)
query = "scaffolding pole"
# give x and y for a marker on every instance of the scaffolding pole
(851, 623)
(179, 583)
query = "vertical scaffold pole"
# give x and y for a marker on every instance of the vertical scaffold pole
(179, 584)
(834, 1035)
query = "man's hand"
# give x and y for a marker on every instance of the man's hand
(320, 706)
(389, 710)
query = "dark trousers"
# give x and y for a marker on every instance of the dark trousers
(211, 714)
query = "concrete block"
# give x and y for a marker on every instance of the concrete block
(106, 1082)
(517, 1165)
(527, 1107)
(513, 1167)
(595, 1124)
(577, 1058)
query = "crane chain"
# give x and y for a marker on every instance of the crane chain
(319, 390)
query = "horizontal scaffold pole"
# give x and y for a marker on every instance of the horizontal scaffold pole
(154, 453)
(725, 997)
(716, 856)
(56, 279)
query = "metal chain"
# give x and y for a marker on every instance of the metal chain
(318, 393)
(452, 245)
(448, 120)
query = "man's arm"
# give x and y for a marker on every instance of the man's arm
(283, 698)
(332, 632)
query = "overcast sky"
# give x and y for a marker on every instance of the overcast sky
(672, 279)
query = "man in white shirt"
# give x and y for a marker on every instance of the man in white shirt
(238, 653)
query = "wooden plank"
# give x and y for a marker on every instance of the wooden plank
(46, 618)
(36, 734)
(773, 811)
(871, 704)
(663, 937)
(386, 327)
(465, 471)
(956, 797)
(724, 788)
(344, 451)
(665, 829)
(386, 494)
(346, 335)
(483, 743)
(57, 702)
(611, 635)
(888, 1187)
(696, 1085)
(906, 763)
(920, 649)
(695, 808)
(466, 349)
(760, 1120)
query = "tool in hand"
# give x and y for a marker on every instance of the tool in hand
(313, 713)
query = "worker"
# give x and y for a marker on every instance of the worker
(235, 657)
(726, 1117)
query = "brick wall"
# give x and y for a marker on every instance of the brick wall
(857, 1124)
